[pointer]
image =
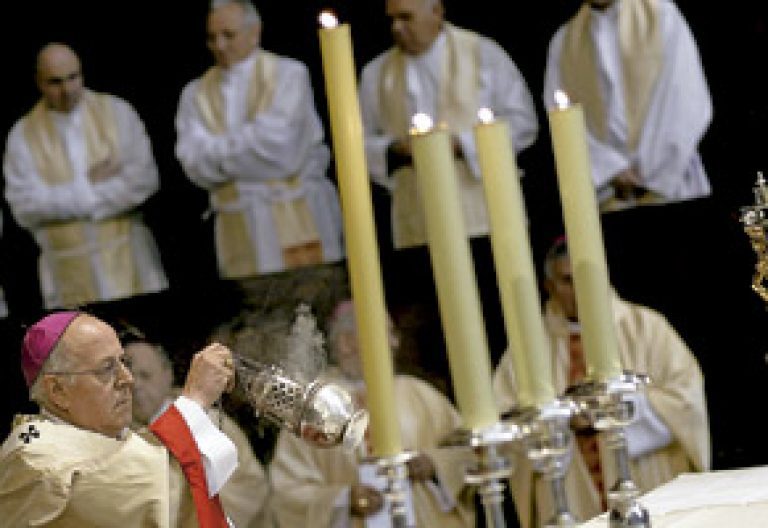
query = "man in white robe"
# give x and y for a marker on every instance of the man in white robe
(249, 134)
(635, 68)
(77, 167)
(448, 73)
(322, 487)
(671, 433)
(245, 494)
(78, 464)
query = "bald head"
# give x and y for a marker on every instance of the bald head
(59, 77)
(83, 333)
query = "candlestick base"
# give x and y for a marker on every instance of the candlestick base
(394, 469)
(548, 444)
(490, 468)
(604, 403)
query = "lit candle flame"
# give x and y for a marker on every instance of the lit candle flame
(328, 20)
(422, 123)
(561, 100)
(485, 115)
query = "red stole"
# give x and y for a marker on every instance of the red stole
(171, 429)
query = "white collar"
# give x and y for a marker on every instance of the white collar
(432, 53)
(241, 68)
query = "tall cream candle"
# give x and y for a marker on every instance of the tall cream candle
(514, 264)
(585, 243)
(454, 277)
(360, 236)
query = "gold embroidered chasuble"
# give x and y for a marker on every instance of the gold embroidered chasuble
(61, 476)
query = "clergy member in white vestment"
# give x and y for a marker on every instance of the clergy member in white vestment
(671, 433)
(77, 463)
(249, 134)
(448, 73)
(244, 495)
(319, 488)
(635, 68)
(77, 167)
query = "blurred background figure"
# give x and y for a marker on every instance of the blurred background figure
(448, 73)
(327, 488)
(635, 68)
(671, 433)
(78, 168)
(249, 134)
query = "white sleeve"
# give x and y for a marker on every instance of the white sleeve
(648, 432)
(198, 150)
(218, 452)
(510, 98)
(138, 178)
(606, 160)
(32, 201)
(680, 111)
(504, 90)
(275, 144)
(377, 141)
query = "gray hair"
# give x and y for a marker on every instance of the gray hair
(58, 361)
(252, 16)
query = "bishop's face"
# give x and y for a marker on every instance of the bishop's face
(95, 393)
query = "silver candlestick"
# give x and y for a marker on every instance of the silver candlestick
(395, 470)
(606, 406)
(548, 444)
(490, 469)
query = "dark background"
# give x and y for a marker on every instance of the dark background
(691, 261)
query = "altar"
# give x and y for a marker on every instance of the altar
(715, 499)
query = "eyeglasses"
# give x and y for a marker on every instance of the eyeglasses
(107, 373)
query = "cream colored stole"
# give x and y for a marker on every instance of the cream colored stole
(641, 49)
(61, 476)
(69, 250)
(296, 229)
(457, 107)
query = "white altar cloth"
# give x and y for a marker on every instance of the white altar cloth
(717, 499)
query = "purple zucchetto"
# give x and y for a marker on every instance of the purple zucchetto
(40, 340)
